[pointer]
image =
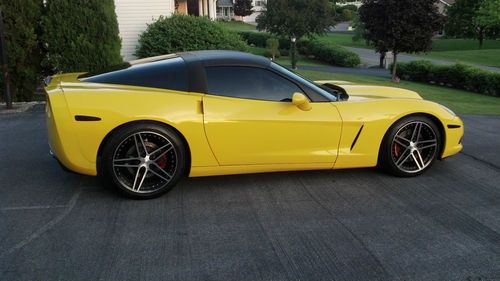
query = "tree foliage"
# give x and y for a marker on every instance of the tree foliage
(400, 25)
(21, 22)
(243, 8)
(81, 35)
(296, 18)
(180, 33)
(477, 19)
(346, 12)
(461, 19)
(488, 14)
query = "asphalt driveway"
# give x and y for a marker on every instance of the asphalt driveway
(321, 225)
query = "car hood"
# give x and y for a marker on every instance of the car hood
(360, 92)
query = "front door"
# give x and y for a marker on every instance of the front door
(249, 119)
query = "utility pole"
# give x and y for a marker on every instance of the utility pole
(5, 70)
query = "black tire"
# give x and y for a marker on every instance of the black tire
(408, 151)
(144, 160)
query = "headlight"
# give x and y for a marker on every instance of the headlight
(449, 110)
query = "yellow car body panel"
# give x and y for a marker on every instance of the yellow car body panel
(116, 106)
(235, 136)
(366, 114)
(251, 132)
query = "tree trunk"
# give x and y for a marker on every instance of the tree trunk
(293, 51)
(5, 68)
(481, 37)
(382, 59)
(394, 68)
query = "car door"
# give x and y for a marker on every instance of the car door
(249, 119)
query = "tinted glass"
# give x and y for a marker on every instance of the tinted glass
(317, 88)
(167, 74)
(249, 83)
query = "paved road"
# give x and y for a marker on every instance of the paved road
(322, 225)
(370, 58)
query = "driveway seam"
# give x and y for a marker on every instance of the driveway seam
(45, 227)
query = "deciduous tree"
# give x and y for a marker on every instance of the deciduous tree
(400, 26)
(296, 19)
(243, 8)
(488, 17)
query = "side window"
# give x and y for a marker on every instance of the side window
(249, 83)
(168, 74)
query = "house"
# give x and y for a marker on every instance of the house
(134, 15)
(443, 4)
(225, 9)
(356, 3)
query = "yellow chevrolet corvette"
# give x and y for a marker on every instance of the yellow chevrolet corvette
(150, 122)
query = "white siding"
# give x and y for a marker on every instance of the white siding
(133, 15)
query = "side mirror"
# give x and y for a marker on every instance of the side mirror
(301, 101)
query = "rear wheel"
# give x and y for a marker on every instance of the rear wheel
(144, 160)
(411, 146)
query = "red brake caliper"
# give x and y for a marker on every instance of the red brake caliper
(397, 149)
(163, 161)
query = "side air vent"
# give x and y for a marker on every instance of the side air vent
(86, 118)
(357, 136)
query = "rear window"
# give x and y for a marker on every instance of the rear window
(169, 74)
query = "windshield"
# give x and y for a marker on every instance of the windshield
(324, 91)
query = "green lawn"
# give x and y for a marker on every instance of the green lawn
(439, 45)
(461, 102)
(237, 26)
(466, 51)
(490, 57)
(462, 45)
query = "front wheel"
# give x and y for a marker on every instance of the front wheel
(144, 160)
(411, 146)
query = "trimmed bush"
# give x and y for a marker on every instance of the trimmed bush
(330, 53)
(326, 52)
(457, 76)
(180, 33)
(259, 39)
(81, 35)
(346, 12)
(21, 19)
(272, 47)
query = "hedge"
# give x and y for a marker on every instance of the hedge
(180, 33)
(259, 39)
(330, 53)
(326, 52)
(457, 76)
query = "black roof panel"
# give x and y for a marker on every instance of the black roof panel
(221, 57)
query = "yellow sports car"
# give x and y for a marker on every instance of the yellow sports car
(149, 123)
